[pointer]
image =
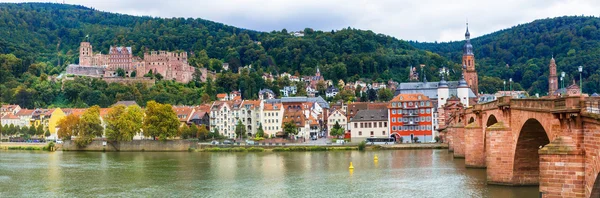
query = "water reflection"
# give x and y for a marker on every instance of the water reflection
(405, 173)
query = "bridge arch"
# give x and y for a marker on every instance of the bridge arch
(526, 165)
(596, 188)
(491, 120)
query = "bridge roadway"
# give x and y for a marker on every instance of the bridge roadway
(550, 142)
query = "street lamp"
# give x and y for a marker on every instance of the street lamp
(562, 79)
(580, 68)
(510, 85)
(504, 88)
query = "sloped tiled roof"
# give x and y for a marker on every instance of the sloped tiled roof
(25, 112)
(371, 115)
(183, 112)
(271, 107)
(410, 97)
(197, 115)
(10, 116)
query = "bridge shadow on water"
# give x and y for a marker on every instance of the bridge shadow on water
(478, 177)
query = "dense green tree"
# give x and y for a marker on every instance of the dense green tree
(385, 95)
(337, 130)
(372, 95)
(123, 123)
(90, 126)
(260, 132)
(160, 121)
(289, 128)
(240, 130)
(120, 72)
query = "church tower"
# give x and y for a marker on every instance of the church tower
(552, 78)
(468, 62)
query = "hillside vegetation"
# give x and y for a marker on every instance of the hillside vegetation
(528, 48)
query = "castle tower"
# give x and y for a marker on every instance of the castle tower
(85, 54)
(468, 62)
(552, 78)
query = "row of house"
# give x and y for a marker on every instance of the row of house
(403, 118)
(270, 114)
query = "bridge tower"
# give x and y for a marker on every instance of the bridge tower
(552, 78)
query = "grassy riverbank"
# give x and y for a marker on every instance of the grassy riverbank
(27, 146)
(276, 149)
(320, 148)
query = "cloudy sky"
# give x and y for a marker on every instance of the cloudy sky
(422, 20)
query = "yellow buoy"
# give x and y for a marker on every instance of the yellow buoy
(351, 167)
(375, 158)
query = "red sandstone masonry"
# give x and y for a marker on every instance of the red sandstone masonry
(474, 146)
(562, 170)
(500, 160)
(592, 155)
(450, 137)
(459, 140)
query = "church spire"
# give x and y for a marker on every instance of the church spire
(468, 48)
(467, 34)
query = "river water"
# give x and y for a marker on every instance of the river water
(399, 173)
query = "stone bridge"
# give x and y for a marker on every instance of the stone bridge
(553, 143)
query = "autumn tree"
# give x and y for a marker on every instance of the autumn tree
(160, 121)
(202, 132)
(184, 131)
(321, 88)
(68, 126)
(123, 123)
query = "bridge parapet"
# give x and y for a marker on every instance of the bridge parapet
(548, 104)
(592, 105)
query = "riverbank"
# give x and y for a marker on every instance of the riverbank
(275, 149)
(23, 146)
(414, 146)
(187, 145)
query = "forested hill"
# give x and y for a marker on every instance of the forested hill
(528, 48)
(42, 32)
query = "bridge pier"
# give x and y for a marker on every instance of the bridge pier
(458, 140)
(450, 138)
(562, 169)
(474, 146)
(501, 156)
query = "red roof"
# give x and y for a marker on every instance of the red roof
(10, 116)
(25, 112)
(183, 112)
